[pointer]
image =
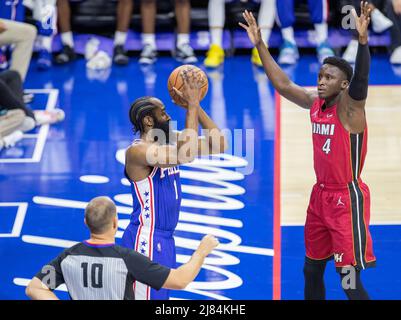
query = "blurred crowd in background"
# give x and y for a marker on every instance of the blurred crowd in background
(28, 26)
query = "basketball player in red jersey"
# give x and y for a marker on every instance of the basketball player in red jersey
(338, 213)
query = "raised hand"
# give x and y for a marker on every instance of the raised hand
(251, 28)
(190, 91)
(362, 22)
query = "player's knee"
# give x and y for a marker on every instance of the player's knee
(28, 124)
(313, 269)
(30, 32)
(308, 270)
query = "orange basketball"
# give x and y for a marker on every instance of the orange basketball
(175, 80)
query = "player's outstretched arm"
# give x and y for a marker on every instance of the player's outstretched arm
(179, 278)
(279, 79)
(36, 290)
(358, 88)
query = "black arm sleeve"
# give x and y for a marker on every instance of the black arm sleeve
(358, 89)
(146, 271)
(51, 274)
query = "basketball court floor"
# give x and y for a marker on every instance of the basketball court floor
(253, 198)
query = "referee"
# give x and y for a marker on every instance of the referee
(98, 269)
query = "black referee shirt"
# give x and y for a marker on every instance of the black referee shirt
(102, 272)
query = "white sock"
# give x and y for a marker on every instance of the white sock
(395, 57)
(380, 22)
(216, 36)
(266, 34)
(46, 42)
(288, 34)
(149, 39)
(27, 125)
(216, 15)
(67, 39)
(375, 14)
(218, 104)
(321, 32)
(120, 38)
(267, 13)
(10, 139)
(182, 38)
(378, 15)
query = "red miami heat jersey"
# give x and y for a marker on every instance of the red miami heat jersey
(338, 155)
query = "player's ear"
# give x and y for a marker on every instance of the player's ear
(115, 222)
(344, 84)
(148, 121)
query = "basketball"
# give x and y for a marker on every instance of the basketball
(175, 80)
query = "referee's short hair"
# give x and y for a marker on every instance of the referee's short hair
(99, 214)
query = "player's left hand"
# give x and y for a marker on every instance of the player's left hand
(251, 28)
(189, 92)
(362, 22)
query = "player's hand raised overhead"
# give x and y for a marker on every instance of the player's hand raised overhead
(190, 91)
(251, 28)
(362, 22)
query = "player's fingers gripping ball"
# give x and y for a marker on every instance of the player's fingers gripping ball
(176, 80)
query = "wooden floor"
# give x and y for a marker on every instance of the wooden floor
(382, 170)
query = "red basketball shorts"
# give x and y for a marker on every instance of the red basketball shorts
(337, 225)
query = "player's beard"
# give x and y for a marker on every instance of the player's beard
(165, 127)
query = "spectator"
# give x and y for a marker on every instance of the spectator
(67, 54)
(98, 269)
(393, 9)
(45, 14)
(183, 51)
(22, 36)
(216, 13)
(10, 121)
(380, 23)
(9, 10)
(11, 98)
(318, 12)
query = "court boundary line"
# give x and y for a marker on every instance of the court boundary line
(18, 220)
(277, 201)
